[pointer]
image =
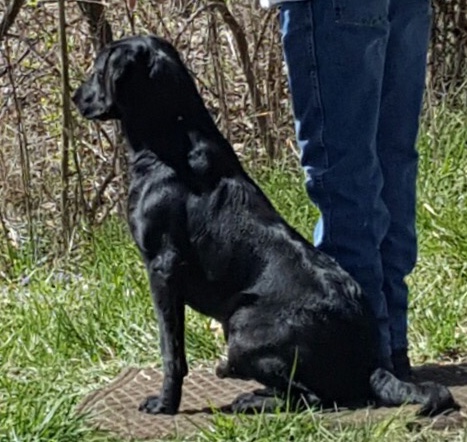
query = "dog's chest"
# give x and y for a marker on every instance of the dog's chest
(219, 236)
(204, 225)
(156, 209)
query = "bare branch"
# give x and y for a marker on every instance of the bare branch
(255, 95)
(101, 31)
(66, 121)
(13, 8)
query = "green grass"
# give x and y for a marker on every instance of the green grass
(74, 323)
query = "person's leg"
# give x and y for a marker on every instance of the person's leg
(401, 101)
(335, 54)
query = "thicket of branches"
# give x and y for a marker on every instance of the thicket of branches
(59, 174)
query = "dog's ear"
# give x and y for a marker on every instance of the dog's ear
(94, 98)
(110, 75)
(123, 63)
(148, 57)
(133, 70)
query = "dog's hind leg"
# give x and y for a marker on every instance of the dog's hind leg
(257, 401)
(271, 371)
(269, 400)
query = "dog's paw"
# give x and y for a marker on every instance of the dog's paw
(256, 402)
(223, 369)
(156, 405)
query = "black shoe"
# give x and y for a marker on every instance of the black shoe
(401, 364)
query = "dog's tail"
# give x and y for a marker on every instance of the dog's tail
(390, 391)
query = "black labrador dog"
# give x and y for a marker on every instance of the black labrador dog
(294, 320)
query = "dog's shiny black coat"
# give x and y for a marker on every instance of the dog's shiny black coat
(294, 320)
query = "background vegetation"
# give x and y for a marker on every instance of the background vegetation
(73, 296)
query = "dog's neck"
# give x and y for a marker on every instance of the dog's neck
(163, 134)
(163, 138)
(188, 140)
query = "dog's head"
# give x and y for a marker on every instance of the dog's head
(133, 76)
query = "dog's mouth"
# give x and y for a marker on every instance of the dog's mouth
(99, 114)
(93, 109)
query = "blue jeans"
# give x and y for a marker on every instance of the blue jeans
(356, 74)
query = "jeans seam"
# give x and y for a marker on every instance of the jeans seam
(315, 79)
(319, 180)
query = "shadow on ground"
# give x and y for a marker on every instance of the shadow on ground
(451, 375)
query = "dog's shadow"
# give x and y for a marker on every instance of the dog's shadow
(450, 375)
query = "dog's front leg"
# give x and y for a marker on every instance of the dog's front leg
(165, 279)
